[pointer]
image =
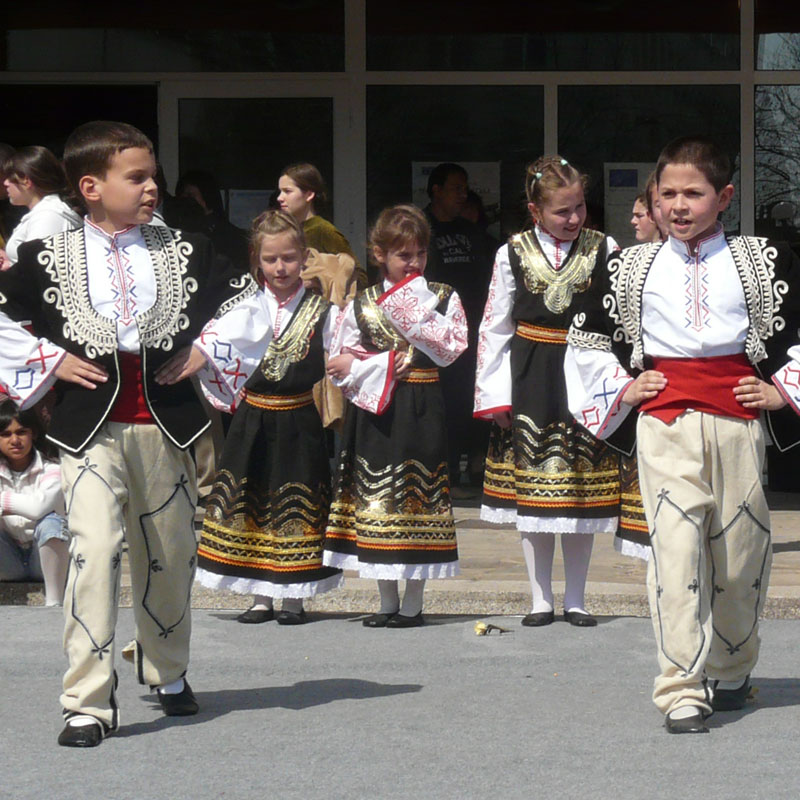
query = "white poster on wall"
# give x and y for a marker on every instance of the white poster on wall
(622, 181)
(483, 177)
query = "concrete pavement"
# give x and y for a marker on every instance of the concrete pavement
(334, 710)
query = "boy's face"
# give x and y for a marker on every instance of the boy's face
(127, 194)
(689, 204)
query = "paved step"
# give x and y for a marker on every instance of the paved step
(493, 579)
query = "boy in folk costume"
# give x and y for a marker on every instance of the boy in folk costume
(699, 333)
(115, 306)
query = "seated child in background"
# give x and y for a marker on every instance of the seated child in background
(33, 535)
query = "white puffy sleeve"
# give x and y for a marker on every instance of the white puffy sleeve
(371, 383)
(595, 382)
(27, 364)
(233, 345)
(787, 379)
(493, 373)
(411, 306)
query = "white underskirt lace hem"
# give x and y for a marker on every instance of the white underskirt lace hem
(391, 572)
(252, 586)
(632, 549)
(530, 524)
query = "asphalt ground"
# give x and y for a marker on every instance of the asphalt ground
(334, 710)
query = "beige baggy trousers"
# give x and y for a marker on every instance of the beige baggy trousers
(710, 532)
(132, 481)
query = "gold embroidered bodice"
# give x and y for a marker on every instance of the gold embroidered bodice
(557, 285)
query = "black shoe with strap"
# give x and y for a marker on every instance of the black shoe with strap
(82, 730)
(580, 619)
(730, 699)
(539, 619)
(695, 723)
(182, 704)
(401, 621)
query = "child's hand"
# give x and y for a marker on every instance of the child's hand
(183, 364)
(5, 261)
(75, 369)
(502, 418)
(752, 392)
(645, 387)
(339, 366)
(402, 365)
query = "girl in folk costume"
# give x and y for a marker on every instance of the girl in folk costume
(266, 514)
(391, 516)
(543, 471)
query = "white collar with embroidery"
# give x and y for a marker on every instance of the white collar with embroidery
(556, 250)
(122, 238)
(707, 246)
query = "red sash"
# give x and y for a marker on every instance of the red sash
(130, 405)
(702, 384)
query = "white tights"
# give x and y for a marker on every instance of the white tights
(538, 549)
(262, 602)
(412, 597)
(54, 560)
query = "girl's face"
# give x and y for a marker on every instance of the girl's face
(562, 213)
(399, 262)
(20, 191)
(16, 445)
(294, 200)
(643, 225)
(281, 262)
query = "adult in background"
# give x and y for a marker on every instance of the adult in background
(461, 255)
(302, 193)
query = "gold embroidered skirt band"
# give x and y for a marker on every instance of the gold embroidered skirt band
(536, 333)
(278, 402)
(430, 375)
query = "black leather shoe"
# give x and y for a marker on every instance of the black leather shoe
(183, 704)
(82, 735)
(292, 617)
(376, 620)
(693, 724)
(400, 621)
(580, 619)
(730, 699)
(255, 616)
(539, 619)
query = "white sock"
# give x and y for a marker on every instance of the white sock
(412, 598)
(538, 549)
(577, 550)
(292, 604)
(81, 721)
(54, 558)
(176, 687)
(261, 603)
(390, 597)
(683, 712)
